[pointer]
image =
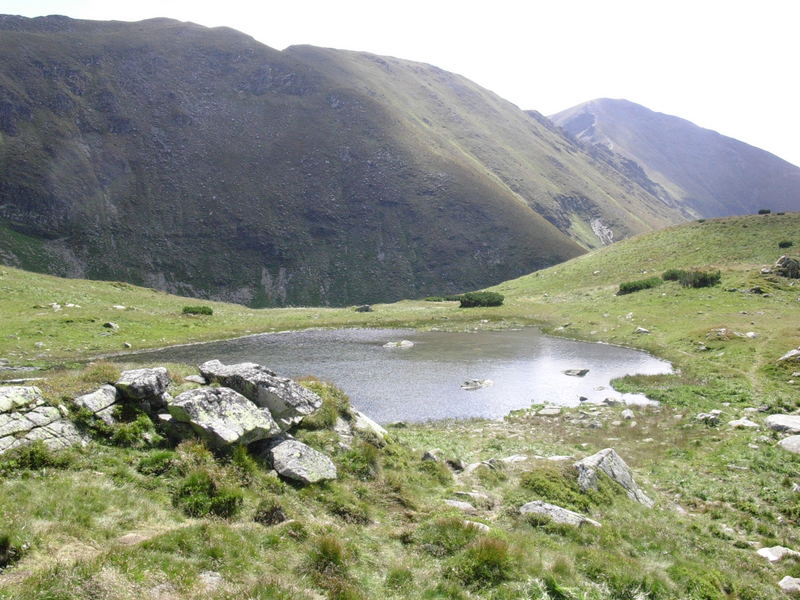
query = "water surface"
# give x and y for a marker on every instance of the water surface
(423, 382)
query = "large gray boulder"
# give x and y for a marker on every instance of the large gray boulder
(784, 423)
(25, 418)
(610, 463)
(287, 400)
(147, 386)
(222, 416)
(363, 424)
(100, 403)
(295, 460)
(791, 444)
(557, 514)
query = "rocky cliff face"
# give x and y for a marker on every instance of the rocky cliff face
(711, 174)
(201, 162)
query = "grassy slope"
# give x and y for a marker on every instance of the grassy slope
(735, 485)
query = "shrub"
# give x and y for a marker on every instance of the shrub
(399, 577)
(764, 211)
(10, 552)
(327, 556)
(473, 299)
(33, 457)
(335, 403)
(444, 537)
(198, 310)
(485, 563)
(269, 512)
(672, 274)
(198, 495)
(699, 279)
(628, 287)
(157, 463)
(785, 244)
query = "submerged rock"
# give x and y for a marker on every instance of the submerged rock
(400, 344)
(223, 417)
(576, 372)
(476, 384)
(610, 463)
(557, 514)
(287, 400)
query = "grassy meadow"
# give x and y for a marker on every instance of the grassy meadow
(108, 520)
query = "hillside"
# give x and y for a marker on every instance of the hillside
(112, 519)
(204, 163)
(710, 173)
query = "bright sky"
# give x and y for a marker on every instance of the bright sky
(729, 65)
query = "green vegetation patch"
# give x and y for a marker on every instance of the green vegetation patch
(474, 299)
(197, 310)
(629, 287)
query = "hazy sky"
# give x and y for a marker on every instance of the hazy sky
(727, 65)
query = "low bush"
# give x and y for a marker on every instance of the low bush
(335, 403)
(473, 299)
(33, 457)
(785, 244)
(444, 537)
(269, 512)
(10, 552)
(327, 556)
(198, 310)
(700, 279)
(450, 298)
(198, 495)
(485, 563)
(628, 287)
(398, 578)
(157, 463)
(672, 274)
(764, 211)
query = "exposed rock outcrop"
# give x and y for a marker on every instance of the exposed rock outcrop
(556, 514)
(287, 401)
(610, 463)
(100, 403)
(295, 460)
(145, 386)
(786, 266)
(223, 417)
(25, 418)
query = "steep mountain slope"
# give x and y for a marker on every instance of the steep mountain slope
(202, 162)
(713, 174)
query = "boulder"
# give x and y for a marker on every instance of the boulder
(294, 460)
(641, 330)
(777, 553)
(786, 266)
(461, 505)
(287, 400)
(792, 355)
(482, 527)
(476, 384)
(790, 585)
(610, 463)
(627, 414)
(743, 423)
(557, 514)
(199, 379)
(400, 344)
(791, 444)
(100, 403)
(784, 423)
(363, 308)
(223, 417)
(576, 372)
(363, 424)
(25, 418)
(708, 418)
(148, 385)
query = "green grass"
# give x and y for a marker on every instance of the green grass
(383, 530)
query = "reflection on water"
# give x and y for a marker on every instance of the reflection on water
(424, 382)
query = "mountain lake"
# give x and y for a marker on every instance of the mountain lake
(424, 382)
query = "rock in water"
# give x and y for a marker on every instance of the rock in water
(400, 344)
(287, 400)
(145, 385)
(556, 513)
(476, 384)
(295, 460)
(576, 372)
(223, 416)
(25, 418)
(610, 463)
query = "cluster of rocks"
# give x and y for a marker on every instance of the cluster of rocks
(785, 266)
(236, 405)
(25, 418)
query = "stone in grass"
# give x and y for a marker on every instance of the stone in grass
(784, 423)
(287, 400)
(557, 514)
(777, 553)
(294, 460)
(143, 384)
(100, 403)
(743, 423)
(790, 585)
(791, 444)
(461, 505)
(223, 417)
(610, 463)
